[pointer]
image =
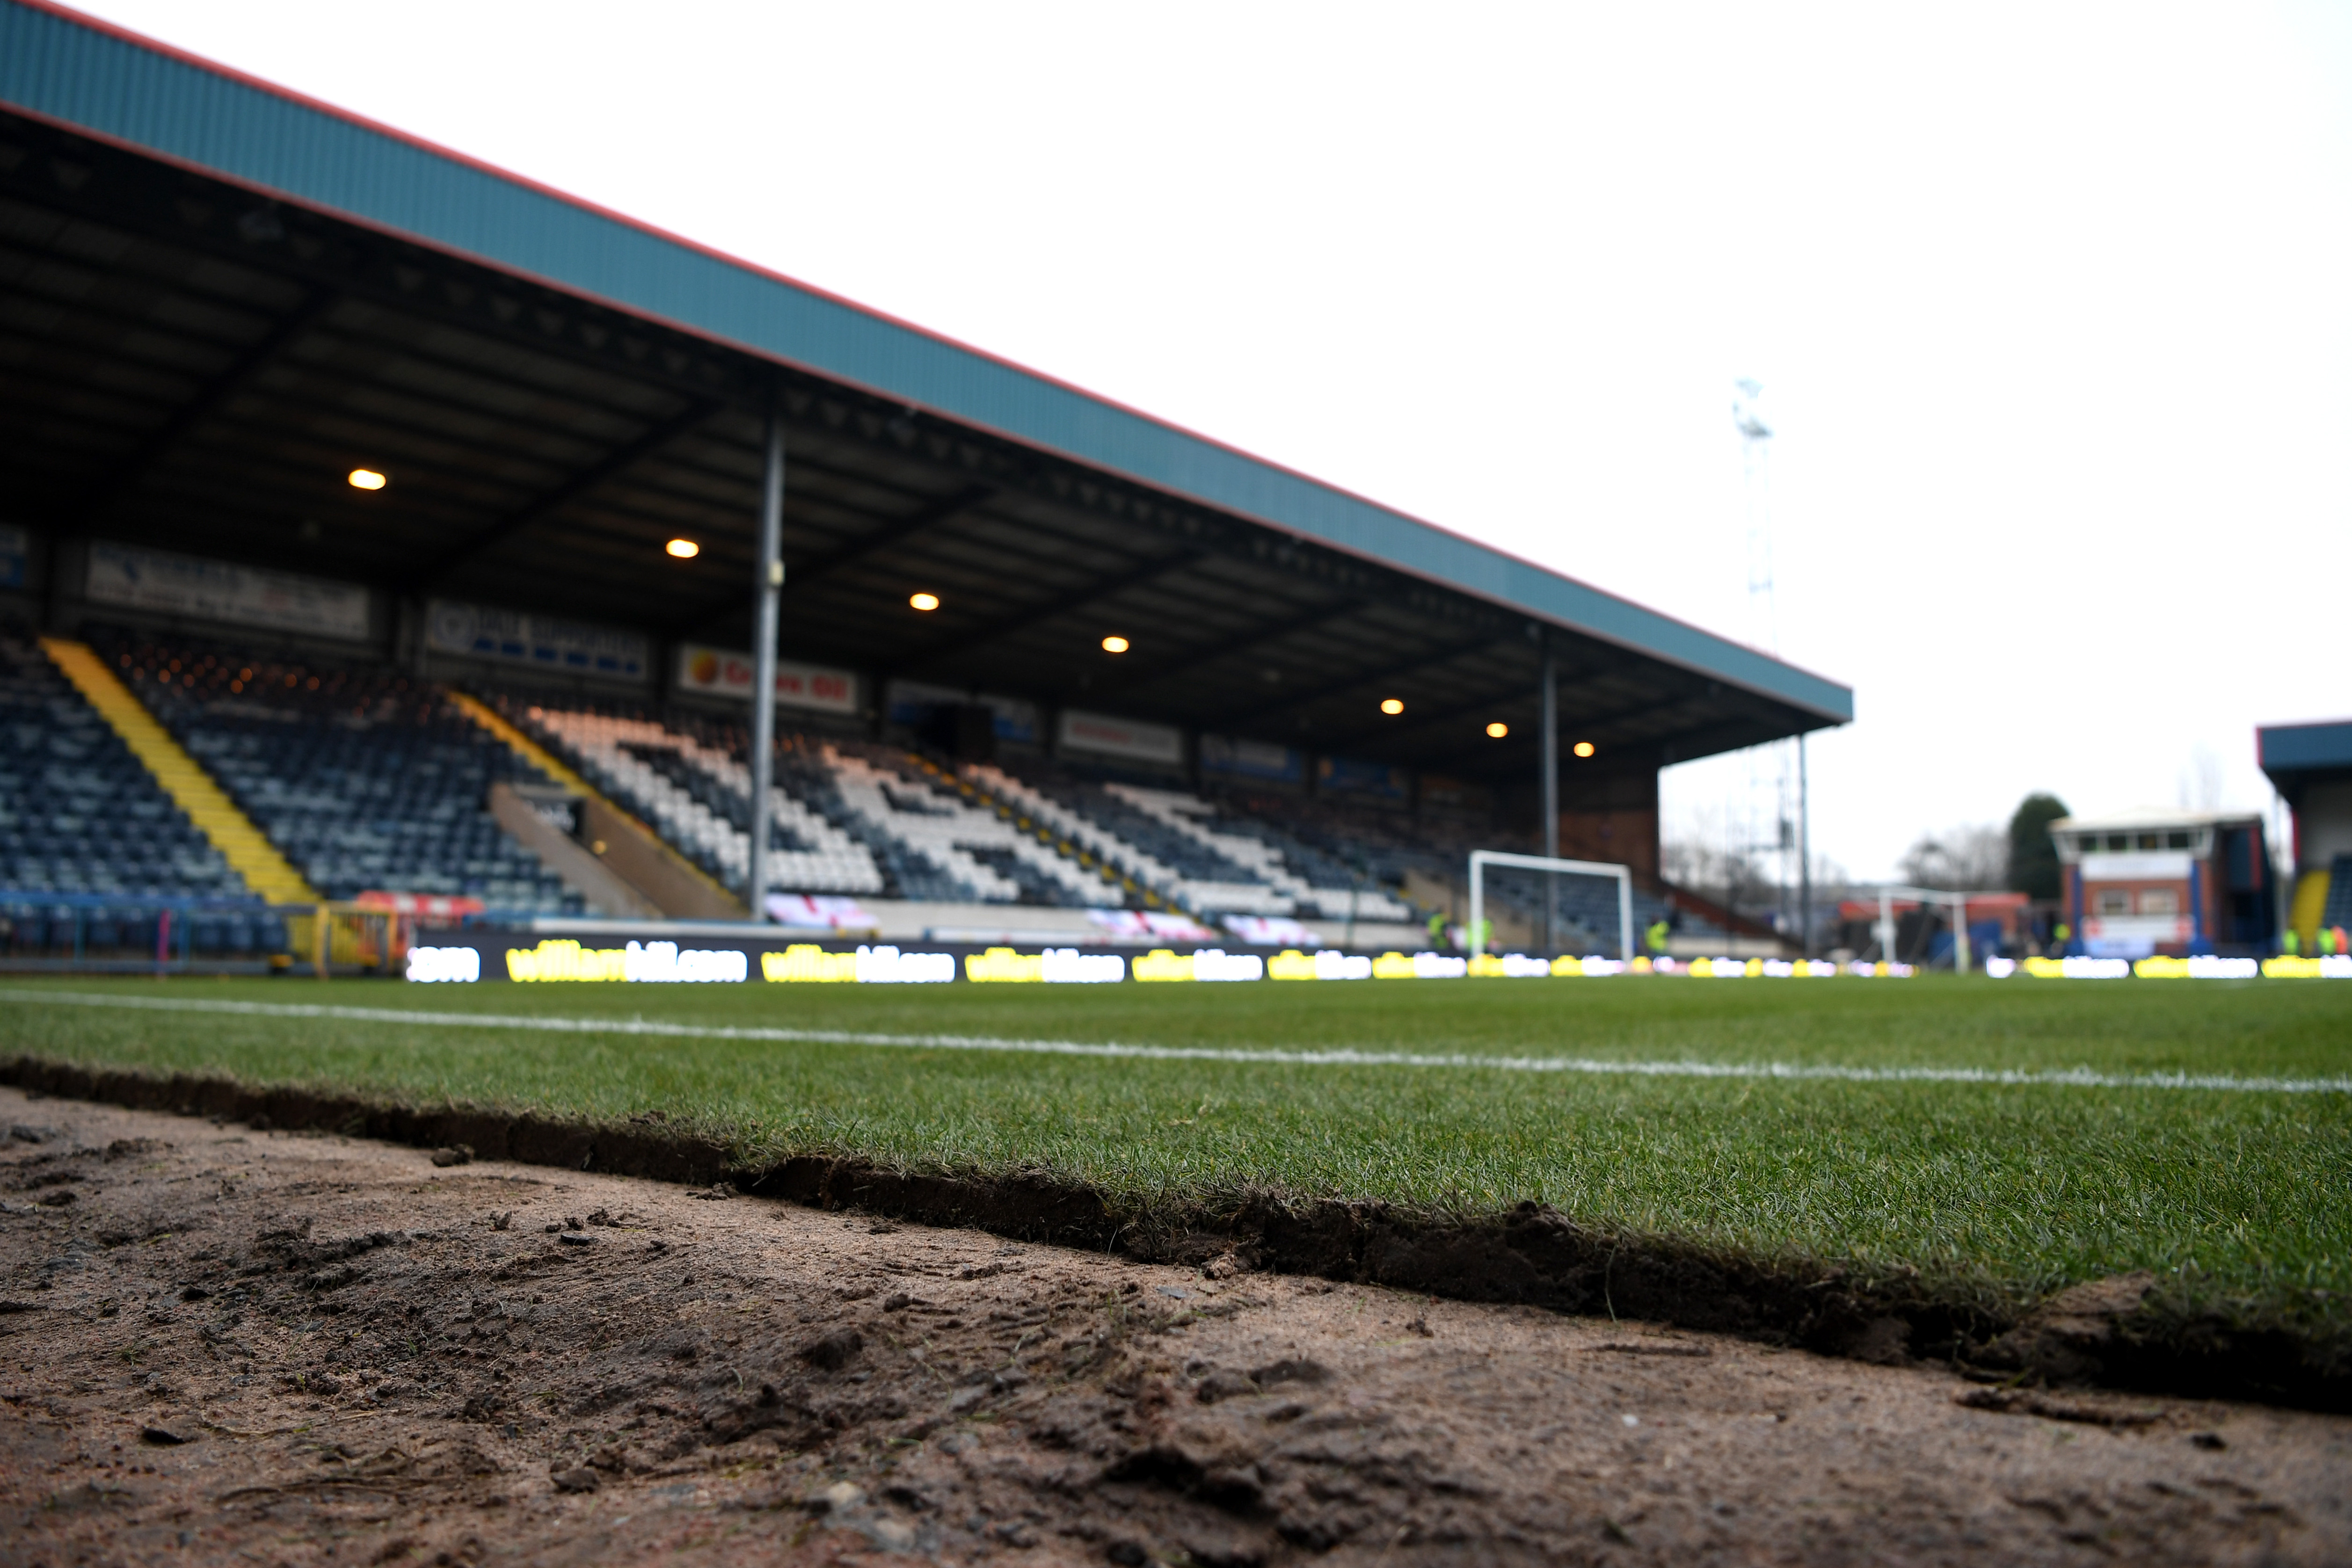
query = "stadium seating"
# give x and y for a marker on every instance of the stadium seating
(985, 852)
(92, 850)
(364, 779)
(1388, 846)
(78, 811)
(696, 790)
(847, 816)
(2338, 911)
(368, 779)
(1184, 849)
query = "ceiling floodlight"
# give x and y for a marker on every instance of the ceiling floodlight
(1113, 644)
(924, 601)
(1498, 729)
(366, 479)
(1584, 749)
(684, 550)
(1392, 706)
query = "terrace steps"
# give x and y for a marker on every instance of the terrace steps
(650, 865)
(245, 847)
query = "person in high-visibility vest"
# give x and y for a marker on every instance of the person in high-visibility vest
(2290, 942)
(2326, 943)
(1656, 936)
(1437, 929)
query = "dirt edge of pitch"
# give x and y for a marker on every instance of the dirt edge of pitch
(2128, 1331)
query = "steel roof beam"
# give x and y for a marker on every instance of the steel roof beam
(1175, 665)
(1052, 609)
(1426, 660)
(126, 475)
(579, 483)
(892, 532)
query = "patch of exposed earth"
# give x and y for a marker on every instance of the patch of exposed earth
(222, 1344)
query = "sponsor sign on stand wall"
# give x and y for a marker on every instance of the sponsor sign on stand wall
(912, 704)
(1378, 780)
(1253, 760)
(543, 641)
(722, 673)
(1016, 721)
(173, 584)
(1109, 736)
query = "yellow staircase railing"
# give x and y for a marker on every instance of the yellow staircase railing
(521, 745)
(245, 846)
(2310, 902)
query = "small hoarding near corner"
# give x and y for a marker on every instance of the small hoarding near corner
(1377, 780)
(541, 642)
(1107, 737)
(169, 584)
(1253, 760)
(722, 673)
(911, 702)
(1016, 720)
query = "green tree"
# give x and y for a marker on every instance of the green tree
(2033, 858)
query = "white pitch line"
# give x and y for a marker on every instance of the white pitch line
(2071, 1077)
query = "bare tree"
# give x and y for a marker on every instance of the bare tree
(1968, 859)
(1733, 880)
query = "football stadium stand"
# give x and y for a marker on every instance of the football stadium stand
(2310, 766)
(379, 523)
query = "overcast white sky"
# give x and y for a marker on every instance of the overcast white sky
(2053, 304)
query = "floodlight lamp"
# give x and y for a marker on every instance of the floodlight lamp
(1113, 644)
(366, 479)
(924, 601)
(1498, 730)
(1583, 748)
(1392, 706)
(684, 550)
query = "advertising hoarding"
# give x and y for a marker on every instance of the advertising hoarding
(1108, 737)
(170, 584)
(1253, 760)
(724, 673)
(541, 642)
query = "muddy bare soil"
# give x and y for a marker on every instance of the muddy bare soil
(223, 1344)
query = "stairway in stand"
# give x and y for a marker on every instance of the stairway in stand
(245, 847)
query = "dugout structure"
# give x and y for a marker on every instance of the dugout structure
(219, 301)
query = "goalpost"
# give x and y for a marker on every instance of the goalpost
(1481, 859)
(1955, 913)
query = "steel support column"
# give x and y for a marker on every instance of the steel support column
(1548, 761)
(768, 570)
(1804, 853)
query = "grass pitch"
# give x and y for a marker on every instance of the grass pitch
(2243, 1194)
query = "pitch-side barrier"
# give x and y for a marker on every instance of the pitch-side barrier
(473, 956)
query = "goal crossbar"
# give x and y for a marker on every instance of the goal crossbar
(1481, 859)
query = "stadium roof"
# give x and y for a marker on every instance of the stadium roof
(2295, 754)
(217, 297)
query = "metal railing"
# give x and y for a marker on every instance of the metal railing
(107, 933)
